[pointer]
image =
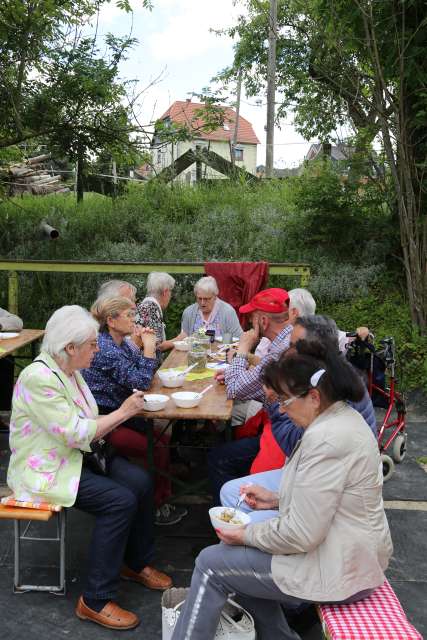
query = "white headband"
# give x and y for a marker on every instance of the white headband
(314, 380)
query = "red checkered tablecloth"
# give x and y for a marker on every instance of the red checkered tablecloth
(379, 617)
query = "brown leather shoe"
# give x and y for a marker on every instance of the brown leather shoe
(149, 577)
(111, 616)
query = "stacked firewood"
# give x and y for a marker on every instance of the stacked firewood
(32, 176)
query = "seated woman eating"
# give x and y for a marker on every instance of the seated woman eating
(330, 541)
(54, 419)
(117, 369)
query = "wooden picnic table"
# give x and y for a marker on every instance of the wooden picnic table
(213, 406)
(26, 336)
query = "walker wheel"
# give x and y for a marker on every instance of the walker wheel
(388, 466)
(399, 448)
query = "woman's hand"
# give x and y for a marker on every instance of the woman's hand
(145, 338)
(232, 536)
(134, 404)
(258, 498)
(219, 377)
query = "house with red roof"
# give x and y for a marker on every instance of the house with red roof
(187, 114)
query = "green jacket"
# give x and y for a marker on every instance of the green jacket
(48, 431)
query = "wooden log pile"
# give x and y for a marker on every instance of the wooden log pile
(32, 176)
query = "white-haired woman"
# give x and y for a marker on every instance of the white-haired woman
(209, 312)
(54, 419)
(149, 312)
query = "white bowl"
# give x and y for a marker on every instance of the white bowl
(242, 517)
(171, 378)
(5, 335)
(155, 401)
(182, 345)
(186, 399)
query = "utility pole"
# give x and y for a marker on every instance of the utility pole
(236, 124)
(271, 88)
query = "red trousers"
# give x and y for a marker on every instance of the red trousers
(133, 444)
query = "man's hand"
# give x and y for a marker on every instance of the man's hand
(259, 498)
(363, 333)
(219, 377)
(249, 339)
(232, 536)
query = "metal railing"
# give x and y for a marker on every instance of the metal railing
(14, 267)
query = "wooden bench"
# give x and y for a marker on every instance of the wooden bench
(378, 617)
(20, 514)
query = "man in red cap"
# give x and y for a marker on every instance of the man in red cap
(273, 312)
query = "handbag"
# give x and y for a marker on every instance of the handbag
(235, 622)
(99, 459)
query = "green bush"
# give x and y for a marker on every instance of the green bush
(341, 229)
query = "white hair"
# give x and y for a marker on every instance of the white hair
(303, 301)
(158, 281)
(111, 288)
(207, 284)
(68, 325)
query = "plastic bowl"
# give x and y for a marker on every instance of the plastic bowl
(186, 399)
(171, 378)
(182, 345)
(155, 401)
(217, 523)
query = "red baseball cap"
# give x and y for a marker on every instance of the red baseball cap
(269, 300)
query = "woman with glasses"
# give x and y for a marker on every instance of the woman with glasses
(126, 360)
(54, 421)
(330, 541)
(210, 312)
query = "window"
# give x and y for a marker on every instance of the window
(238, 155)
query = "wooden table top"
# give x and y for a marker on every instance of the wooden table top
(26, 336)
(213, 406)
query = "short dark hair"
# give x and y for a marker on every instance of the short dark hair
(294, 371)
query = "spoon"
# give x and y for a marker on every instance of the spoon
(183, 373)
(205, 389)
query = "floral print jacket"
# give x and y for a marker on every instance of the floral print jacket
(48, 432)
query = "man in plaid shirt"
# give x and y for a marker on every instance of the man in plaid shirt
(271, 318)
(273, 313)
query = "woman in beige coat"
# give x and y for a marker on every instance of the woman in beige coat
(330, 541)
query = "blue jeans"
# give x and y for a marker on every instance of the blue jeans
(270, 480)
(229, 461)
(122, 504)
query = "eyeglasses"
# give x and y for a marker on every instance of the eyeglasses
(203, 299)
(285, 402)
(129, 314)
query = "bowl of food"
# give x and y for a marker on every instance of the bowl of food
(182, 345)
(171, 377)
(155, 401)
(228, 518)
(186, 399)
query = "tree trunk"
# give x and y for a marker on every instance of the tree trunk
(80, 172)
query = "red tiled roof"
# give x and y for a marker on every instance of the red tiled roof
(183, 112)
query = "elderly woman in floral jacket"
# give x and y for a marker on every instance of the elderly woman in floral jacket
(54, 420)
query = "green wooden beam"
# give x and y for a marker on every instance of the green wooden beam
(54, 266)
(13, 289)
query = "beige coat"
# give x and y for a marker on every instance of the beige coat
(331, 539)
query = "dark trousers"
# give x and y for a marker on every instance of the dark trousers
(122, 504)
(6, 383)
(230, 461)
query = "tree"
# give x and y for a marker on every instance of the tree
(57, 85)
(362, 63)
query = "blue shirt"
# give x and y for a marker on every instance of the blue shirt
(116, 370)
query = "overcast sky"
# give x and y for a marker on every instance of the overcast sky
(176, 46)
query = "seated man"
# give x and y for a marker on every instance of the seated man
(117, 289)
(273, 312)
(286, 433)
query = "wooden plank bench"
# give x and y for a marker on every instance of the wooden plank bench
(378, 617)
(20, 514)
